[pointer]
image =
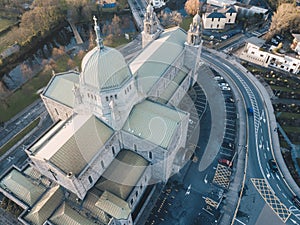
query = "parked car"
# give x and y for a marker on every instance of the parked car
(225, 88)
(273, 165)
(225, 162)
(218, 78)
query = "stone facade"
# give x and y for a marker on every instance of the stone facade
(151, 31)
(252, 53)
(57, 110)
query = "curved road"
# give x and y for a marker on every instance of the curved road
(259, 144)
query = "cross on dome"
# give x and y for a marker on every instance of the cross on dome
(99, 40)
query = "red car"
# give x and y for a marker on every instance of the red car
(225, 162)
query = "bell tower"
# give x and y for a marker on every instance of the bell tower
(151, 30)
(193, 46)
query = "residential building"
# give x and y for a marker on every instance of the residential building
(218, 18)
(253, 52)
(296, 43)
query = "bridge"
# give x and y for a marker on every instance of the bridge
(75, 32)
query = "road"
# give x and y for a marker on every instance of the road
(20, 121)
(259, 146)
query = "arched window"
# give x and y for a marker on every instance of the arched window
(90, 179)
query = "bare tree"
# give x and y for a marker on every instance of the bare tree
(285, 19)
(192, 6)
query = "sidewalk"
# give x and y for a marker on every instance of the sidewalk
(213, 95)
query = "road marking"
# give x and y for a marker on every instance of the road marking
(277, 176)
(272, 176)
(239, 221)
(278, 187)
(271, 199)
(268, 146)
(222, 176)
(284, 195)
(294, 221)
(290, 202)
(205, 179)
(265, 155)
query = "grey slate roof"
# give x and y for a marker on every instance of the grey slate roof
(216, 15)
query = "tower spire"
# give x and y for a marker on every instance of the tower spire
(99, 40)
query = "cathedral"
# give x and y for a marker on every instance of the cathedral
(117, 132)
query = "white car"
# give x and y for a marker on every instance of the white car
(225, 88)
(218, 78)
(223, 84)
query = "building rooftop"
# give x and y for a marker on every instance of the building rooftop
(229, 9)
(45, 206)
(153, 122)
(22, 187)
(65, 215)
(113, 205)
(122, 174)
(104, 68)
(154, 60)
(216, 15)
(256, 41)
(72, 144)
(60, 88)
(297, 36)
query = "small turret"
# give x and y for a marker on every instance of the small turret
(151, 30)
(194, 33)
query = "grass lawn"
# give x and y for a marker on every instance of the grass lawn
(289, 129)
(117, 42)
(19, 136)
(185, 24)
(24, 96)
(286, 115)
(4, 23)
(281, 88)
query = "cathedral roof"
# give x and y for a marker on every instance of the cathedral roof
(65, 215)
(154, 122)
(72, 144)
(104, 68)
(157, 57)
(45, 206)
(60, 88)
(22, 187)
(122, 174)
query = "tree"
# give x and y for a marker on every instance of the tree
(285, 19)
(192, 7)
(116, 28)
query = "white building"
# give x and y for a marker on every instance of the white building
(296, 43)
(252, 52)
(117, 131)
(218, 18)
